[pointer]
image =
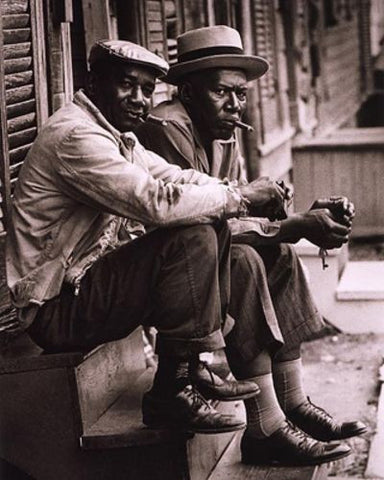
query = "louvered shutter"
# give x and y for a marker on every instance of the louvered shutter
(265, 38)
(22, 109)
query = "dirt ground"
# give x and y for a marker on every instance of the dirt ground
(341, 375)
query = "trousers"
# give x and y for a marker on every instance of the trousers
(176, 279)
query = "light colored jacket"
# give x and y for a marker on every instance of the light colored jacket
(85, 189)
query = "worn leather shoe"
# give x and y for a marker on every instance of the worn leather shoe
(320, 425)
(214, 387)
(187, 411)
(289, 446)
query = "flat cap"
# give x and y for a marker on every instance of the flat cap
(127, 52)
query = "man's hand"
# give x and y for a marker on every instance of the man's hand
(266, 198)
(321, 228)
(341, 208)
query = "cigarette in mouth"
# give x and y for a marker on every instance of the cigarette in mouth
(243, 125)
(154, 119)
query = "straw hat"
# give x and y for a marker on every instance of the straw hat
(213, 47)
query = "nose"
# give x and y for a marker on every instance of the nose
(233, 103)
(137, 96)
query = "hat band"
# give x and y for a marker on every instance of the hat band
(206, 52)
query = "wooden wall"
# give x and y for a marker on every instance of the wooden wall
(340, 75)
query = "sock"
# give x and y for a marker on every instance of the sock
(288, 380)
(171, 376)
(264, 415)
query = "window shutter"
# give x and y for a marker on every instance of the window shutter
(21, 110)
(265, 46)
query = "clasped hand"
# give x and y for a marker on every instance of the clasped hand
(266, 198)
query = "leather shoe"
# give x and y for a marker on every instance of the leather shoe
(187, 411)
(289, 446)
(320, 425)
(214, 387)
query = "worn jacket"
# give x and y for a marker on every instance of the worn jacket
(179, 142)
(85, 189)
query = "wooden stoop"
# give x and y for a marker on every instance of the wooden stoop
(230, 468)
(78, 417)
(74, 416)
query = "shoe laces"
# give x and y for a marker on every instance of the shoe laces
(198, 401)
(305, 442)
(321, 415)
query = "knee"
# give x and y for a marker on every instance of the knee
(246, 261)
(201, 238)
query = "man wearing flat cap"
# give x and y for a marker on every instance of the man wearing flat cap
(270, 299)
(107, 236)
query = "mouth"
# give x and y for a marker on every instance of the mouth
(228, 123)
(133, 115)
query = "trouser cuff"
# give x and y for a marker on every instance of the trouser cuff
(188, 347)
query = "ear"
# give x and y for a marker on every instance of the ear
(186, 93)
(91, 84)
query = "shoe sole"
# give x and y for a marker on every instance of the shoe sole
(361, 431)
(298, 463)
(183, 429)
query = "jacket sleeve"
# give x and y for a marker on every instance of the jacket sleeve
(91, 169)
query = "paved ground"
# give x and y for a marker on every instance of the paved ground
(341, 374)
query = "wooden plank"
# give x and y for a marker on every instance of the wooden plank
(39, 61)
(22, 138)
(17, 65)
(21, 108)
(121, 425)
(18, 154)
(18, 79)
(22, 122)
(15, 21)
(17, 50)
(4, 143)
(18, 35)
(9, 7)
(18, 95)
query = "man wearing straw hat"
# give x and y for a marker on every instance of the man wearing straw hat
(270, 300)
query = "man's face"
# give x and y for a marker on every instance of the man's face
(218, 98)
(123, 94)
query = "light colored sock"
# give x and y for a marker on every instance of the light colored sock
(288, 381)
(264, 415)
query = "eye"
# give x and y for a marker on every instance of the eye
(242, 95)
(148, 91)
(220, 92)
(125, 83)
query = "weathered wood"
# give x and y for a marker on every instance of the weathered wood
(22, 138)
(39, 61)
(18, 79)
(17, 50)
(17, 65)
(15, 21)
(19, 35)
(22, 122)
(18, 95)
(18, 154)
(9, 7)
(21, 108)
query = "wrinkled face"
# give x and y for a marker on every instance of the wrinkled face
(123, 94)
(218, 98)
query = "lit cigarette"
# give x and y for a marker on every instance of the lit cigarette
(154, 119)
(244, 126)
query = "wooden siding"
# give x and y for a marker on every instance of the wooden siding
(340, 75)
(349, 162)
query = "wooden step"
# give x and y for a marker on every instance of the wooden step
(231, 468)
(121, 427)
